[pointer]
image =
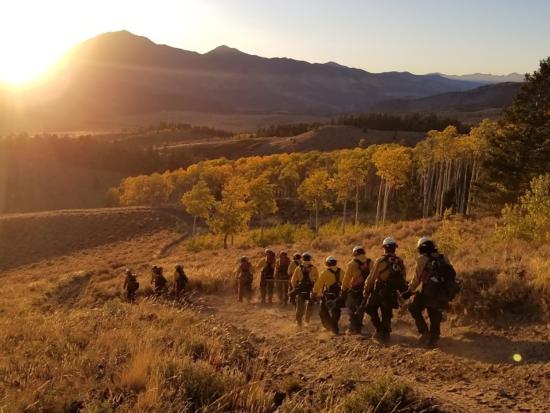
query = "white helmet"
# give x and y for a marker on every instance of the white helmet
(422, 241)
(358, 249)
(389, 241)
(330, 259)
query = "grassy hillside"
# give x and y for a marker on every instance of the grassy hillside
(27, 238)
(70, 343)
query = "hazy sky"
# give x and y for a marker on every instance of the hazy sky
(453, 37)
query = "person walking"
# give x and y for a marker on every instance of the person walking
(357, 271)
(302, 281)
(386, 280)
(328, 287)
(434, 285)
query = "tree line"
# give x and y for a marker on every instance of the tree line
(439, 173)
(449, 170)
(414, 122)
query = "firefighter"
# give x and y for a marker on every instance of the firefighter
(244, 277)
(131, 285)
(181, 281)
(353, 283)
(267, 276)
(434, 285)
(158, 281)
(386, 280)
(328, 288)
(302, 281)
(281, 277)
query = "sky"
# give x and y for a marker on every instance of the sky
(424, 36)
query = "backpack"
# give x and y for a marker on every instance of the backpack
(133, 284)
(333, 291)
(385, 292)
(268, 271)
(245, 266)
(305, 285)
(397, 277)
(282, 265)
(245, 273)
(160, 281)
(439, 282)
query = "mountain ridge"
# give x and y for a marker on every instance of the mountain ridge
(119, 74)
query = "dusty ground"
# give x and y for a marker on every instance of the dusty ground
(473, 369)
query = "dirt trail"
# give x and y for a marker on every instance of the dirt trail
(469, 372)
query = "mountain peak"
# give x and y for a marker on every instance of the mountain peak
(224, 50)
(122, 36)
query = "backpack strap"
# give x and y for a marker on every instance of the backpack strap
(337, 274)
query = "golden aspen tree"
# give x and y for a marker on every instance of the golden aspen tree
(198, 202)
(393, 164)
(233, 212)
(315, 193)
(262, 198)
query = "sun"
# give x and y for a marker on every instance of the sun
(25, 60)
(30, 44)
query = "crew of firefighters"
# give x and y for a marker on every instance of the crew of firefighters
(362, 287)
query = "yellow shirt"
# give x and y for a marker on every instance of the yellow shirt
(381, 271)
(297, 276)
(292, 267)
(326, 279)
(353, 275)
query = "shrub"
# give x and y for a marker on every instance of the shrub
(448, 235)
(489, 294)
(385, 394)
(529, 219)
(204, 242)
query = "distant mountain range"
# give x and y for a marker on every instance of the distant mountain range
(120, 74)
(484, 98)
(486, 78)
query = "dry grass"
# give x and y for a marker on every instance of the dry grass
(69, 341)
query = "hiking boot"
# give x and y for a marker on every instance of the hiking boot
(433, 342)
(423, 339)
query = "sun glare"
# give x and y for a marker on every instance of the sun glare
(30, 44)
(24, 66)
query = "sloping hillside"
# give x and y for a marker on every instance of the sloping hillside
(26, 238)
(482, 98)
(120, 74)
(325, 138)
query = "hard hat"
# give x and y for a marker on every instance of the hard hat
(178, 266)
(268, 251)
(244, 258)
(330, 260)
(306, 256)
(389, 241)
(297, 256)
(358, 250)
(422, 241)
(128, 271)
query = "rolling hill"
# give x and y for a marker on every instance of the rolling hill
(487, 78)
(119, 74)
(483, 99)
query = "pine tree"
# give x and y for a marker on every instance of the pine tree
(522, 150)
